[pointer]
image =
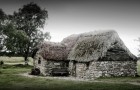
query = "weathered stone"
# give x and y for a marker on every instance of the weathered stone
(106, 69)
(90, 56)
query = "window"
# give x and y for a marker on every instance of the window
(39, 61)
(57, 64)
(87, 65)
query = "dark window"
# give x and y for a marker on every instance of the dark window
(67, 64)
(87, 65)
(39, 61)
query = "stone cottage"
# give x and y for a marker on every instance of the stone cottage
(49, 56)
(89, 55)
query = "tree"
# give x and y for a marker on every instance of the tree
(2, 19)
(15, 39)
(138, 40)
(30, 19)
(21, 32)
(24, 29)
(10, 37)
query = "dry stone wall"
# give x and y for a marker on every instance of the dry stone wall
(46, 66)
(106, 69)
(81, 70)
(114, 68)
(40, 66)
(89, 70)
(54, 64)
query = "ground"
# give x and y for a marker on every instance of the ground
(14, 76)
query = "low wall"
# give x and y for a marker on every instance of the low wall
(41, 66)
(106, 69)
(46, 66)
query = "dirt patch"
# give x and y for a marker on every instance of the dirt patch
(134, 83)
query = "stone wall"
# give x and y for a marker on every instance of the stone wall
(78, 70)
(115, 68)
(81, 69)
(41, 66)
(54, 64)
(89, 70)
(72, 68)
(96, 69)
(46, 66)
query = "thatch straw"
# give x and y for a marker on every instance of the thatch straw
(70, 41)
(53, 51)
(86, 47)
(94, 45)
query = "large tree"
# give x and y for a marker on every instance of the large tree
(138, 40)
(15, 39)
(30, 19)
(3, 19)
(24, 29)
(9, 35)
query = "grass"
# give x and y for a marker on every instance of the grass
(11, 80)
(138, 67)
(15, 60)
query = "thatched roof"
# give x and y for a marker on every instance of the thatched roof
(53, 51)
(95, 45)
(85, 47)
(70, 41)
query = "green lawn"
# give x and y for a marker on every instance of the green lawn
(15, 60)
(11, 80)
(138, 67)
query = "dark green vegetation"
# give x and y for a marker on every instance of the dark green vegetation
(11, 79)
(21, 32)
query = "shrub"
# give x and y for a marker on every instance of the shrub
(35, 71)
(1, 62)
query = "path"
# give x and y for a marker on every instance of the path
(73, 79)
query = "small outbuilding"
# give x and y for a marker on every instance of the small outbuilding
(51, 56)
(88, 55)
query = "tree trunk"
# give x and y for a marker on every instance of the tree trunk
(27, 54)
(26, 59)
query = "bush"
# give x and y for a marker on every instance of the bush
(35, 71)
(1, 62)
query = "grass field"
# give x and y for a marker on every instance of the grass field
(15, 60)
(11, 80)
(138, 67)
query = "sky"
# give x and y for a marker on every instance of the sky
(68, 17)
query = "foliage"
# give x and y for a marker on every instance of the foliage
(138, 40)
(15, 39)
(30, 18)
(22, 30)
(2, 19)
(1, 62)
(2, 15)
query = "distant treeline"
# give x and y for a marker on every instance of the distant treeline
(12, 54)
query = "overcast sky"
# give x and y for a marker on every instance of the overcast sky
(68, 17)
